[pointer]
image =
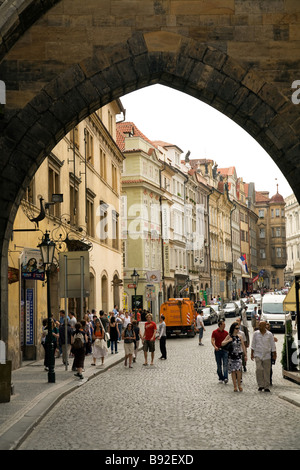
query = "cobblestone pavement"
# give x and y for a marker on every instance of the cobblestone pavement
(176, 404)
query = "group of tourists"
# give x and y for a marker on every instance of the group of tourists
(95, 335)
(230, 350)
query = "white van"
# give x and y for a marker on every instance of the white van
(272, 311)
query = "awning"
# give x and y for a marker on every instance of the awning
(289, 303)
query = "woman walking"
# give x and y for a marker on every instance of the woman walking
(114, 334)
(99, 349)
(235, 355)
(129, 337)
(78, 341)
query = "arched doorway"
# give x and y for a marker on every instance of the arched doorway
(68, 84)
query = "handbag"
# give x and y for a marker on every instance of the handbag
(228, 347)
(106, 336)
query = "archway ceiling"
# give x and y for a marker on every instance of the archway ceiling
(64, 59)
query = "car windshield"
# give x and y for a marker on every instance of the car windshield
(229, 306)
(273, 308)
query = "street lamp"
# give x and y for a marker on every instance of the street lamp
(47, 248)
(135, 280)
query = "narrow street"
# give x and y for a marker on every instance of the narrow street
(177, 404)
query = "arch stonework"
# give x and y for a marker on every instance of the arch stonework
(62, 60)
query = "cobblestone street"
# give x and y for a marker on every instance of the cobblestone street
(177, 404)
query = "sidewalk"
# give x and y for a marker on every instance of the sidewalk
(33, 396)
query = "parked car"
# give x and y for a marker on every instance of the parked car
(231, 309)
(219, 310)
(210, 316)
(250, 308)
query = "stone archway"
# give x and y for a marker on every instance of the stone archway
(58, 101)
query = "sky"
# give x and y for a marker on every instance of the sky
(162, 113)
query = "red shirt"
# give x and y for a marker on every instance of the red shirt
(219, 336)
(150, 328)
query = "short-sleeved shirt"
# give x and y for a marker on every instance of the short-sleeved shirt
(150, 328)
(219, 336)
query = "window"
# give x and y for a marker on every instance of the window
(74, 137)
(277, 212)
(54, 165)
(261, 213)
(115, 230)
(262, 253)
(90, 218)
(73, 204)
(262, 233)
(114, 177)
(89, 141)
(278, 252)
(103, 222)
(103, 164)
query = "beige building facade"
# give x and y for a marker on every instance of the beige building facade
(84, 172)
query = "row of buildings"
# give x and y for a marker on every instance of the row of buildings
(136, 207)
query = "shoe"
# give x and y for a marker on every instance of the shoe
(81, 376)
(260, 389)
(93, 364)
(267, 390)
(226, 381)
(145, 364)
(235, 389)
(240, 389)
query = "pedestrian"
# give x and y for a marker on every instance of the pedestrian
(65, 348)
(235, 360)
(99, 348)
(254, 316)
(162, 331)
(245, 335)
(221, 356)
(88, 326)
(114, 334)
(126, 319)
(128, 336)
(244, 315)
(104, 320)
(263, 350)
(136, 330)
(120, 320)
(78, 340)
(149, 339)
(73, 320)
(200, 326)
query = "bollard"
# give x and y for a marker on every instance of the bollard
(5, 382)
(5, 375)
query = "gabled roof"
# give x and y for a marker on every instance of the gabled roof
(128, 128)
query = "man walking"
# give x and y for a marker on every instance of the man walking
(200, 326)
(221, 355)
(149, 339)
(263, 349)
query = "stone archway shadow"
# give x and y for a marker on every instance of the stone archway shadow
(145, 59)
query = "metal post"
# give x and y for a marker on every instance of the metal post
(66, 312)
(49, 337)
(81, 283)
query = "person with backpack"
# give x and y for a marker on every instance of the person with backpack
(78, 341)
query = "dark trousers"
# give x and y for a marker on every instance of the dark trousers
(162, 345)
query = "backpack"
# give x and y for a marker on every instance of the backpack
(78, 341)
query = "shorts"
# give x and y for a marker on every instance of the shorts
(128, 348)
(149, 346)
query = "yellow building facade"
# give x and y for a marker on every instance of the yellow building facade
(83, 173)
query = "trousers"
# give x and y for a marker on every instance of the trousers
(263, 372)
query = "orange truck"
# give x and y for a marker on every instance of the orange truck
(180, 316)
